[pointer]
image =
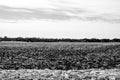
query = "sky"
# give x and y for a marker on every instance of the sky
(60, 18)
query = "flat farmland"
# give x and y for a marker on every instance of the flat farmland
(59, 61)
(59, 55)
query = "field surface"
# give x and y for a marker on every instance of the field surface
(90, 74)
(59, 61)
(59, 55)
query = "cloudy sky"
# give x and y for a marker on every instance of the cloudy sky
(60, 18)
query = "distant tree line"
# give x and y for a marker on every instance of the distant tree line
(34, 39)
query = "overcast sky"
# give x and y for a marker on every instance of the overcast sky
(60, 18)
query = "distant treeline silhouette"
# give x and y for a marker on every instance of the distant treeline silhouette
(34, 39)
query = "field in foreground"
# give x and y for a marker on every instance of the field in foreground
(90, 74)
(59, 55)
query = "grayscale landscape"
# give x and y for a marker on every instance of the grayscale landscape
(59, 40)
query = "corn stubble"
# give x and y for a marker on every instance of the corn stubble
(34, 74)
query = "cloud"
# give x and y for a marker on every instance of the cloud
(58, 13)
(8, 13)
